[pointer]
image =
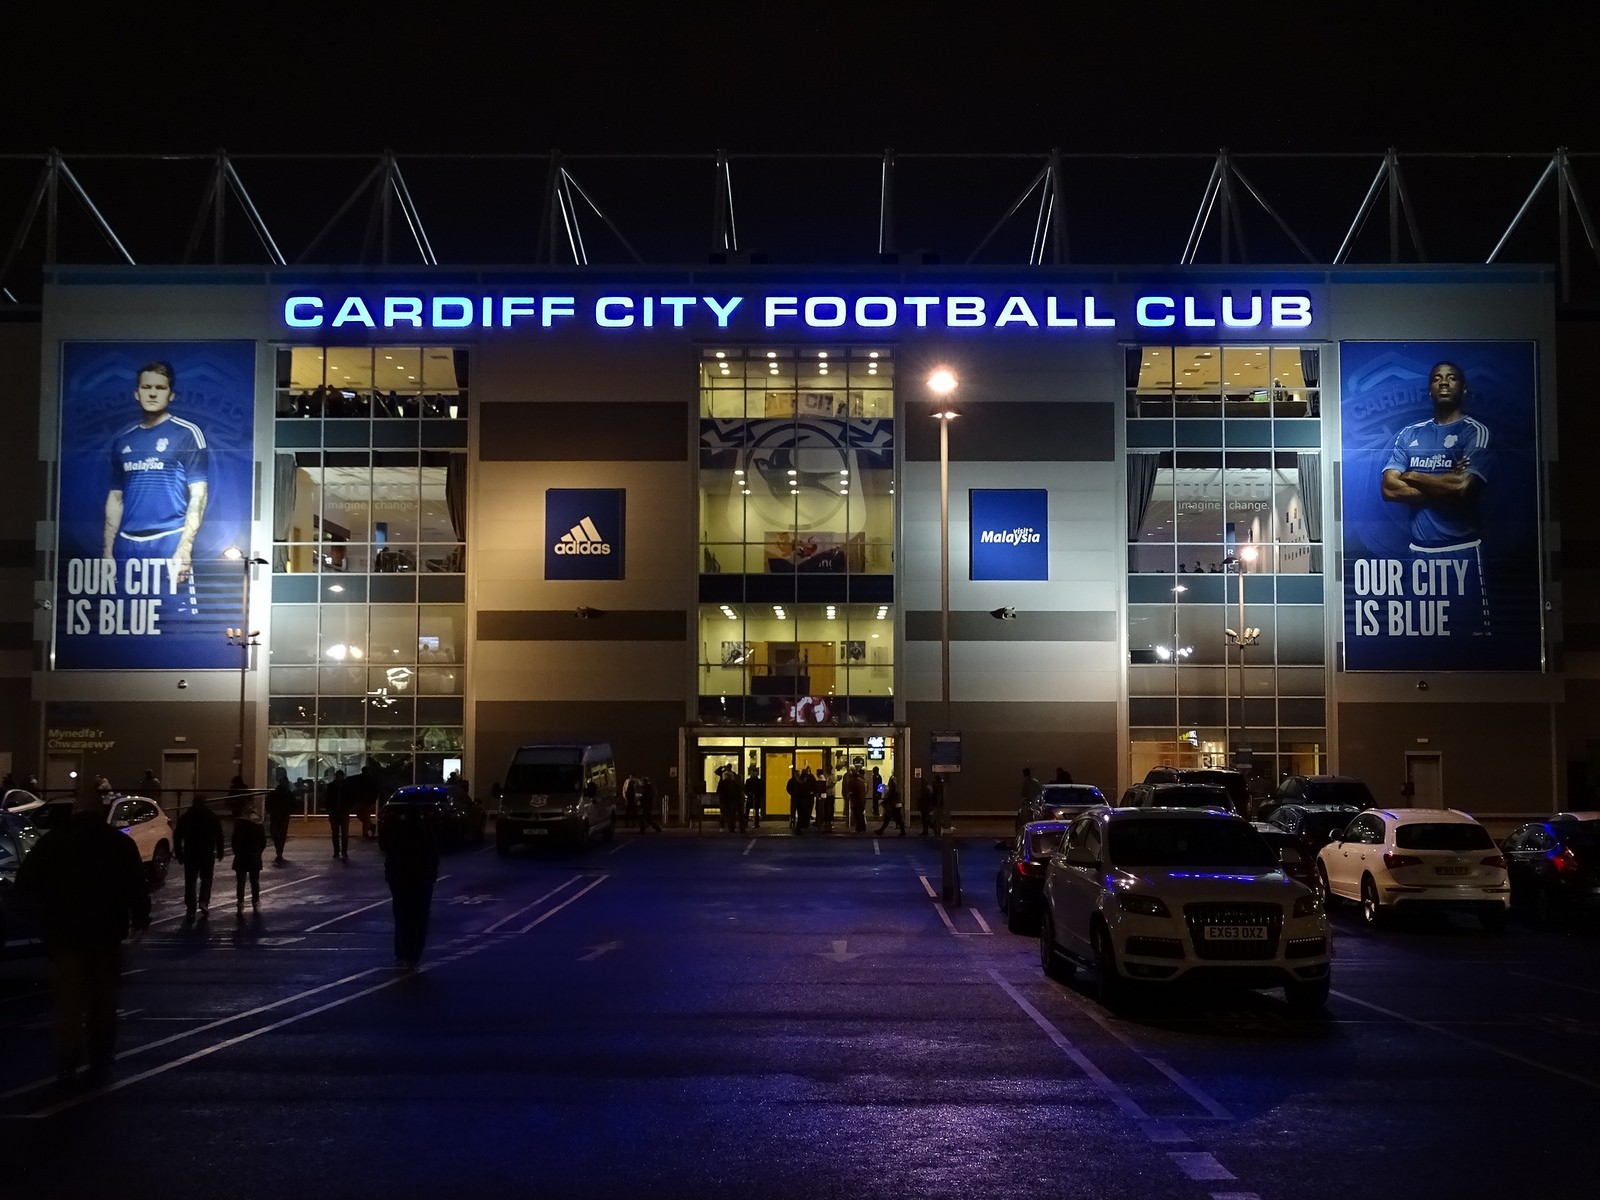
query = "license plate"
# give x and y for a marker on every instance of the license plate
(1452, 870)
(1236, 933)
(537, 832)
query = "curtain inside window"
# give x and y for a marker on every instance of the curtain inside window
(455, 494)
(1310, 467)
(285, 479)
(1310, 366)
(1142, 469)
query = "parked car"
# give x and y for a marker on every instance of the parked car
(1230, 781)
(1167, 897)
(147, 823)
(1416, 858)
(460, 819)
(1313, 824)
(1019, 883)
(1590, 815)
(1299, 860)
(1059, 802)
(1554, 868)
(19, 929)
(1325, 790)
(1177, 795)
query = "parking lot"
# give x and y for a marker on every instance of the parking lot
(718, 1015)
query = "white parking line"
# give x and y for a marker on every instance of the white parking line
(355, 912)
(943, 916)
(1557, 983)
(566, 883)
(1461, 1037)
(928, 887)
(1199, 1165)
(216, 903)
(749, 846)
(978, 917)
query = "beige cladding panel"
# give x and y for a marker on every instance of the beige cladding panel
(537, 370)
(580, 671)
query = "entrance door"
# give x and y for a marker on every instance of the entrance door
(1425, 774)
(180, 774)
(775, 772)
(61, 773)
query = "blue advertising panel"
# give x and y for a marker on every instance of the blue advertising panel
(157, 447)
(584, 533)
(1009, 533)
(1441, 509)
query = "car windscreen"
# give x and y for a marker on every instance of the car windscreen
(1323, 825)
(544, 778)
(1351, 792)
(1442, 836)
(1043, 843)
(1179, 843)
(1585, 836)
(1185, 796)
(1070, 795)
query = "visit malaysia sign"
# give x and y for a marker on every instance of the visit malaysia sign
(1009, 533)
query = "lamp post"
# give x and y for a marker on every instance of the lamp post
(243, 637)
(942, 383)
(1240, 637)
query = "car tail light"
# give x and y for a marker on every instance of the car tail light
(1564, 860)
(1024, 867)
(1494, 860)
(1395, 861)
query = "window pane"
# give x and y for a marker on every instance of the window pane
(441, 633)
(294, 633)
(393, 639)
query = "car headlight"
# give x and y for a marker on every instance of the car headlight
(1145, 906)
(1308, 905)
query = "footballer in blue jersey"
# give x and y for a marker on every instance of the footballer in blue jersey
(158, 487)
(1439, 468)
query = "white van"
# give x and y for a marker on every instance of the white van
(547, 795)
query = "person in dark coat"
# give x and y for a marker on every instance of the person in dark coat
(87, 882)
(198, 844)
(805, 798)
(280, 807)
(927, 807)
(649, 806)
(249, 844)
(755, 796)
(893, 807)
(364, 799)
(855, 800)
(337, 798)
(730, 801)
(409, 839)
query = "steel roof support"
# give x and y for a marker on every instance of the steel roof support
(1202, 218)
(1044, 172)
(252, 213)
(724, 229)
(572, 185)
(371, 177)
(886, 205)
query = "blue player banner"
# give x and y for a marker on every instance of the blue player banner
(155, 483)
(1441, 508)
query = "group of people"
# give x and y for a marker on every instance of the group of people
(742, 804)
(641, 802)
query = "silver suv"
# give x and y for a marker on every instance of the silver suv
(1170, 896)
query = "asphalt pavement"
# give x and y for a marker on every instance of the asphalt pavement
(718, 1015)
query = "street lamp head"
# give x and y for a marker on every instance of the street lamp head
(1231, 634)
(942, 382)
(1248, 553)
(233, 554)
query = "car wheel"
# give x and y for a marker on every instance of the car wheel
(1309, 997)
(1000, 889)
(1494, 919)
(1017, 918)
(1055, 966)
(160, 860)
(1328, 898)
(1372, 912)
(1113, 988)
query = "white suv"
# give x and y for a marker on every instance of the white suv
(1170, 896)
(1391, 858)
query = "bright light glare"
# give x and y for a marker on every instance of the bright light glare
(942, 382)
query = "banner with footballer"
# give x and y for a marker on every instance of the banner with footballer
(1440, 505)
(155, 483)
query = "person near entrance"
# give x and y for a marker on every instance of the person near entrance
(822, 788)
(893, 807)
(802, 798)
(730, 801)
(927, 806)
(855, 800)
(409, 839)
(876, 790)
(198, 844)
(755, 796)
(280, 807)
(337, 798)
(648, 806)
(1030, 789)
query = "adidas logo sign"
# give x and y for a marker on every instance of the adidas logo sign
(582, 538)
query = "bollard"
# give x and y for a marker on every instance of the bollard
(950, 865)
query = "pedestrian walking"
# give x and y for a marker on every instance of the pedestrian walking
(824, 793)
(730, 800)
(280, 807)
(755, 796)
(249, 843)
(855, 800)
(365, 799)
(927, 805)
(337, 798)
(630, 799)
(805, 799)
(894, 808)
(649, 813)
(1029, 791)
(198, 844)
(876, 790)
(87, 883)
(150, 786)
(409, 839)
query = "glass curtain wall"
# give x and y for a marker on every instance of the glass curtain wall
(368, 649)
(796, 536)
(1224, 490)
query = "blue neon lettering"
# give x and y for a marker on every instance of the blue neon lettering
(962, 311)
(649, 310)
(1192, 319)
(399, 310)
(1017, 310)
(517, 306)
(723, 311)
(354, 312)
(781, 306)
(865, 305)
(1233, 320)
(1089, 317)
(464, 311)
(291, 312)
(922, 304)
(557, 306)
(1052, 316)
(677, 304)
(814, 306)
(1291, 312)
(1141, 311)
(602, 312)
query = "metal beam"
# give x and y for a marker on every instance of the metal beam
(1550, 169)
(110, 234)
(1010, 212)
(371, 177)
(1201, 219)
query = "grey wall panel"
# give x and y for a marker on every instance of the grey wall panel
(643, 734)
(1026, 627)
(580, 431)
(563, 625)
(1010, 431)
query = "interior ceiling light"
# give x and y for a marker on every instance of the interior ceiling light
(772, 354)
(872, 354)
(822, 354)
(721, 354)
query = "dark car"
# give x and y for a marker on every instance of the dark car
(19, 930)
(1177, 795)
(1058, 802)
(1299, 860)
(461, 819)
(1345, 791)
(1554, 868)
(1019, 883)
(1231, 782)
(1313, 824)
